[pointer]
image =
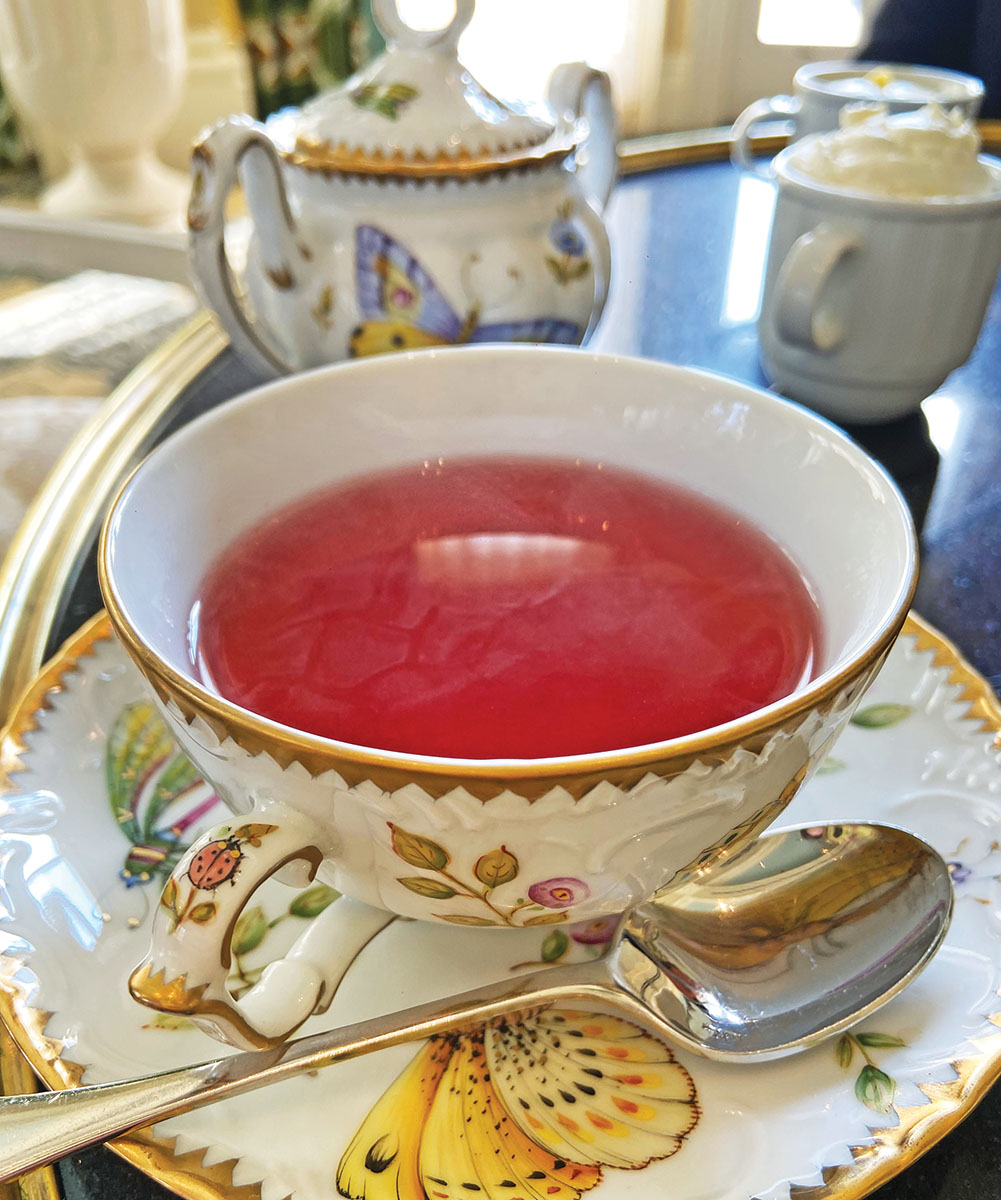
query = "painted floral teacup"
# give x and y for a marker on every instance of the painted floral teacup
(503, 842)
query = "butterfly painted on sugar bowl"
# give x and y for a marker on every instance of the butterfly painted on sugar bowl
(402, 308)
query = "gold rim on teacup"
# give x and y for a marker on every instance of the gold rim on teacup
(486, 778)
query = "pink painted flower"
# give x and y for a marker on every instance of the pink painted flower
(560, 892)
(594, 933)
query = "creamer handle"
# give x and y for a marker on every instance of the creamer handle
(740, 135)
(577, 93)
(230, 147)
(799, 318)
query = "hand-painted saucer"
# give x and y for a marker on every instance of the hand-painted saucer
(97, 803)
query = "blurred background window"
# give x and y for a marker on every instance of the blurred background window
(676, 64)
(793, 22)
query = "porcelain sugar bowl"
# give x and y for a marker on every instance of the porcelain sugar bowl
(409, 208)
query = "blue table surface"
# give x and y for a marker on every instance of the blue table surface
(689, 247)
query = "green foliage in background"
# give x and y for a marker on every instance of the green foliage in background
(298, 47)
(15, 153)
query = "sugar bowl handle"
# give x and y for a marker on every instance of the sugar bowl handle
(580, 95)
(239, 146)
(186, 970)
(601, 256)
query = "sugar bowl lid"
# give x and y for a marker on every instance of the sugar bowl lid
(416, 111)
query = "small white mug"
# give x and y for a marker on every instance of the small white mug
(821, 90)
(871, 301)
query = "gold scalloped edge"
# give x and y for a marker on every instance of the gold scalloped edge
(891, 1150)
(920, 1127)
(984, 705)
(184, 1173)
(37, 697)
(155, 990)
(32, 1022)
(341, 159)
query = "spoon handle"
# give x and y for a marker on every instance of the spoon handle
(40, 1128)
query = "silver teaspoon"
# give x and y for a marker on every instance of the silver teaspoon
(787, 942)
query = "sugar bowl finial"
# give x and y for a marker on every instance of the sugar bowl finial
(396, 31)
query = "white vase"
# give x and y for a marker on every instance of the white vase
(103, 77)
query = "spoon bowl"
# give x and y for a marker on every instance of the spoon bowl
(805, 932)
(771, 950)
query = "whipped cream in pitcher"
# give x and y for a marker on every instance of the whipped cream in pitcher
(885, 83)
(926, 153)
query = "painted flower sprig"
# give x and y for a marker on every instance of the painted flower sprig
(570, 262)
(873, 1086)
(545, 902)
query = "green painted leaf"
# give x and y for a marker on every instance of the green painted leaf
(548, 918)
(554, 946)
(313, 901)
(844, 1051)
(878, 716)
(830, 765)
(556, 266)
(170, 1021)
(250, 930)
(387, 100)
(496, 867)
(454, 919)
(168, 898)
(253, 833)
(202, 913)
(428, 887)
(875, 1089)
(418, 851)
(879, 1040)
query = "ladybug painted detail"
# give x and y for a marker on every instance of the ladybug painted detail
(215, 863)
(219, 860)
(211, 865)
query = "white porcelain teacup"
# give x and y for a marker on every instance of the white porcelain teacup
(822, 89)
(586, 835)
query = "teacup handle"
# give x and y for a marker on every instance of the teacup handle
(240, 145)
(741, 154)
(186, 970)
(799, 286)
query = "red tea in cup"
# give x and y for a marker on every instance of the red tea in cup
(506, 607)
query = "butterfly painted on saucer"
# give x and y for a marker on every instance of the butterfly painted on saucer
(402, 308)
